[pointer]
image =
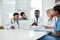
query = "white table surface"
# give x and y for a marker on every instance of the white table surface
(18, 34)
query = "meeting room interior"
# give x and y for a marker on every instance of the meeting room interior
(29, 19)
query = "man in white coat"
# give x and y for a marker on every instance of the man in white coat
(37, 19)
(13, 22)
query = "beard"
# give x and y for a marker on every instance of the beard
(24, 18)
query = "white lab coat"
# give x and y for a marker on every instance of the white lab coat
(50, 22)
(40, 20)
(11, 22)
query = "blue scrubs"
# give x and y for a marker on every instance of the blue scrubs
(57, 27)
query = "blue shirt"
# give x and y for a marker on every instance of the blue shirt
(57, 26)
(21, 19)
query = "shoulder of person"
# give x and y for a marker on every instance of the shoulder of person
(19, 18)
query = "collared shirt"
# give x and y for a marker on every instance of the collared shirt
(39, 21)
(21, 19)
(11, 22)
(51, 22)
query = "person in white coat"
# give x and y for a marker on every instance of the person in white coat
(37, 19)
(51, 19)
(13, 22)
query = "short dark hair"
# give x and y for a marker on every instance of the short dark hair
(15, 14)
(22, 13)
(37, 10)
(57, 8)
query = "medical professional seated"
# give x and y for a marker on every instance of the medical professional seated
(13, 23)
(56, 34)
(37, 19)
(23, 16)
(50, 24)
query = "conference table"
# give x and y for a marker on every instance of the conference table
(19, 34)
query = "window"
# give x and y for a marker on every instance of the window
(36, 4)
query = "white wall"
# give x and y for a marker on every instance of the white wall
(1, 3)
(8, 6)
(23, 5)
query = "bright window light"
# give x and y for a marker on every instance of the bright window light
(36, 4)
